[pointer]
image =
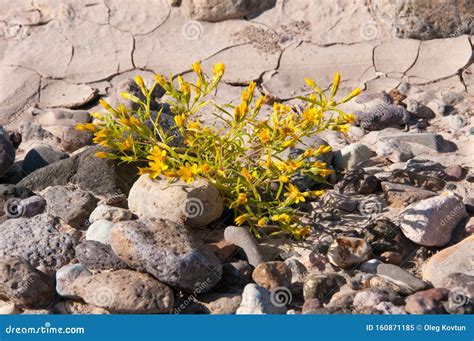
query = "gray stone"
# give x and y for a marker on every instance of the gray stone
(7, 153)
(168, 251)
(431, 221)
(454, 259)
(350, 156)
(242, 237)
(99, 231)
(66, 276)
(41, 156)
(125, 291)
(24, 285)
(32, 206)
(322, 286)
(258, 300)
(99, 176)
(38, 241)
(59, 93)
(73, 139)
(419, 110)
(195, 204)
(97, 256)
(400, 277)
(346, 251)
(110, 213)
(395, 151)
(73, 206)
(383, 116)
(215, 10)
(429, 140)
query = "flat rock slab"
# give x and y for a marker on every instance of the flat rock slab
(38, 241)
(63, 94)
(395, 57)
(400, 277)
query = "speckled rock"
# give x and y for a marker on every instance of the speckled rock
(110, 213)
(125, 291)
(168, 251)
(97, 256)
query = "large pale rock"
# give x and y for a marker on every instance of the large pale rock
(59, 93)
(431, 221)
(215, 10)
(350, 156)
(99, 231)
(24, 285)
(18, 91)
(426, 19)
(195, 204)
(125, 291)
(168, 251)
(454, 259)
(258, 300)
(38, 241)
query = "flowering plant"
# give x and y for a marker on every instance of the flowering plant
(243, 158)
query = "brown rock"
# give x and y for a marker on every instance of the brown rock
(427, 302)
(272, 275)
(391, 257)
(222, 250)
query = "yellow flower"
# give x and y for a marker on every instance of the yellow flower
(157, 154)
(139, 80)
(240, 111)
(264, 135)
(283, 178)
(341, 128)
(161, 80)
(262, 221)
(247, 175)
(197, 68)
(294, 195)
(349, 118)
(193, 125)
(281, 218)
(218, 69)
(259, 102)
(335, 84)
(105, 105)
(319, 164)
(325, 172)
(127, 143)
(98, 116)
(308, 152)
(353, 94)
(241, 219)
(179, 120)
(317, 193)
(301, 232)
(187, 173)
(86, 126)
(102, 155)
(323, 149)
(242, 199)
(205, 168)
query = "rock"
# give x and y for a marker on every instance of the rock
(99, 176)
(427, 302)
(73, 139)
(129, 85)
(298, 272)
(431, 141)
(454, 259)
(58, 93)
(237, 273)
(99, 231)
(391, 257)
(110, 213)
(454, 173)
(7, 153)
(38, 241)
(168, 251)
(24, 285)
(372, 297)
(97, 256)
(370, 266)
(322, 286)
(350, 156)
(343, 298)
(222, 250)
(66, 276)
(310, 306)
(220, 304)
(383, 116)
(258, 300)
(32, 206)
(195, 204)
(241, 237)
(41, 156)
(431, 221)
(73, 206)
(400, 195)
(383, 235)
(425, 20)
(272, 275)
(419, 110)
(389, 308)
(214, 10)
(346, 251)
(125, 291)
(72, 307)
(400, 277)
(358, 182)
(394, 150)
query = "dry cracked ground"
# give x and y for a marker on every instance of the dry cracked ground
(393, 236)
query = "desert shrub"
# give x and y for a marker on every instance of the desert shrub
(243, 155)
